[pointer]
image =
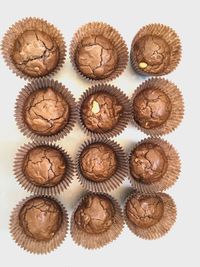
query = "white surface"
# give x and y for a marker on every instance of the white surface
(179, 246)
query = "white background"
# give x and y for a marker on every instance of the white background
(177, 248)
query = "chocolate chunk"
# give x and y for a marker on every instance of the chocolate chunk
(152, 54)
(98, 162)
(46, 112)
(95, 214)
(151, 108)
(145, 211)
(40, 218)
(35, 53)
(148, 163)
(44, 166)
(101, 112)
(96, 57)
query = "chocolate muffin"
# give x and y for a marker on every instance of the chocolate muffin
(44, 166)
(148, 163)
(145, 211)
(152, 54)
(40, 218)
(35, 53)
(101, 112)
(151, 108)
(98, 162)
(96, 57)
(46, 112)
(95, 214)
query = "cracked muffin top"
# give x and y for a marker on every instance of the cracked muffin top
(96, 57)
(101, 112)
(145, 211)
(148, 163)
(40, 218)
(152, 54)
(46, 112)
(98, 162)
(44, 166)
(35, 53)
(151, 108)
(95, 214)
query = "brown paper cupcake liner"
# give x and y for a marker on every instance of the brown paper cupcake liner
(23, 25)
(30, 187)
(42, 83)
(172, 173)
(95, 241)
(105, 30)
(113, 182)
(121, 98)
(169, 35)
(162, 227)
(28, 243)
(177, 112)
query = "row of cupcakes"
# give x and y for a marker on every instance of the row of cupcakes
(101, 165)
(39, 224)
(46, 110)
(34, 48)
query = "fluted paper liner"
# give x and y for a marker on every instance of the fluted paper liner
(115, 180)
(171, 174)
(105, 30)
(162, 227)
(167, 34)
(121, 98)
(95, 241)
(36, 189)
(177, 112)
(43, 83)
(29, 244)
(23, 25)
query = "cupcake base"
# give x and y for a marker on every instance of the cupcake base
(108, 32)
(115, 180)
(177, 111)
(94, 241)
(162, 227)
(29, 24)
(27, 185)
(28, 243)
(43, 83)
(171, 174)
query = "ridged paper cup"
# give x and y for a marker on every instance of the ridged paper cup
(108, 32)
(122, 100)
(177, 104)
(162, 227)
(19, 172)
(43, 83)
(169, 36)
(115, 180)
(29, 244)
(171, 174)
(27, 24)
(95, 241)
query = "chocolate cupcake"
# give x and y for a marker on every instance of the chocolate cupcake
(154, 165)
(98, 52)
(150, 216)
(33, 48)
(155, 50)
(101, 165)
(104, 111)
(96, 221)
(39, 224)
(157, 106)
(45, 110)
(43, 169)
